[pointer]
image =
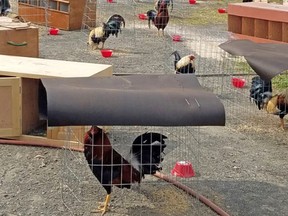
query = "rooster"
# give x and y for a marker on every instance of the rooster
(261, 94)
(260, 91)
(110, 168)
(184, 65)
(161, 18)
(158, 2)
(101, 33)
(278, 105)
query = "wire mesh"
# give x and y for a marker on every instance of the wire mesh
(80, 187)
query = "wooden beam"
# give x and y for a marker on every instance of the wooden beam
(40, 68)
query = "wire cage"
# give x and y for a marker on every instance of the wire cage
(81, 190)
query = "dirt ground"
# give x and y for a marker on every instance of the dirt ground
(242, 167)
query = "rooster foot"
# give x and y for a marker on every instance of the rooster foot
(104, 206)
(102, 210)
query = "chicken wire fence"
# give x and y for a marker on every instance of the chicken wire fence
(81, 188)
(138, 49)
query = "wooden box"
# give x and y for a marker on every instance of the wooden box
(62, 14)
(260, 22)
(19, 92)
(18, 39)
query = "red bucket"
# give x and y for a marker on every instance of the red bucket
(176, 38)
(106, 53)
(238, 82)
(143, 16)
(53, 31)
(222, 10)
(183, 169)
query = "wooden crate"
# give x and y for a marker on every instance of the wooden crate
(260, 22)
(62, 14)
(18, 39)
(19, 88)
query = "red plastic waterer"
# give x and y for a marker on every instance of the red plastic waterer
(238, 82)
(222, 10)
(183, 169)
(176, 38)
(143, 16)
(53, 31)
(192, 1)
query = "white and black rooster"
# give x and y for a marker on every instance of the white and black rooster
(184, 65)
(100, 34)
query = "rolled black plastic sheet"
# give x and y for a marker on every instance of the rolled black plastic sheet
(150, 100)
(266, 59)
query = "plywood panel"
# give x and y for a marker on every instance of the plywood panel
(235, 24)
(30, 108)
(248, 26)
(261, 28)
(10, 109)
(275, 31)
(40, 68)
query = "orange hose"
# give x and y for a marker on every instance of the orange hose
(203, 199)
(31, 143)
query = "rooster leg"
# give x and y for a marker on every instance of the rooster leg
(104, 208)
(102, 45)
(282, 123)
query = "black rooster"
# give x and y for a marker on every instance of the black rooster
(184, 65)
(148, 149)
(101, 33)
(110, 168)
(260, 91)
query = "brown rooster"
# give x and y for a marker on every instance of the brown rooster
(161, 18)
(278, 105)
(110, 168)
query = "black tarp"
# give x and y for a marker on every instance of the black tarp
(150, 100)
(266, 59)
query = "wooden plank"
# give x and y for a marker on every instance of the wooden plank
(30, 109)
(235, 24)
(11, 109)
(40, 68)
(275, 31)
(261, 28)
(248, 26)
(259, 10)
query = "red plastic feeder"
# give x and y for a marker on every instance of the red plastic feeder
(53, 31)
(192, 1)
(238, 82)
(222, 10)
(176, 38)
(143, 16)
(110, 1)
(183, 169)
(106, 53)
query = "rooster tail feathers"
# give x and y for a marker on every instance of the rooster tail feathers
(177, 57)
(117, 18)
(260, 91)
(151, 14)
(148, 150)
